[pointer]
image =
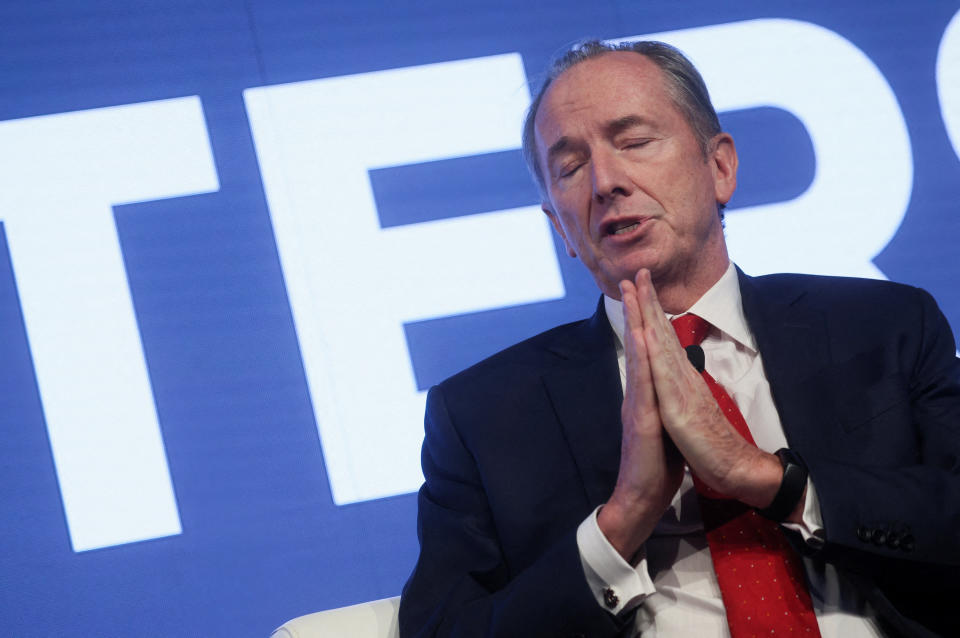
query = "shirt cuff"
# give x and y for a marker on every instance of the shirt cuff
(811, 529)
(617, 586)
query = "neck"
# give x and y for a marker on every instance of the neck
(676, 300)
(676, 292)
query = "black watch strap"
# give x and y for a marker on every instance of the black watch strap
(791, 487)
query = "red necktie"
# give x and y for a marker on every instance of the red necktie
(760, 575)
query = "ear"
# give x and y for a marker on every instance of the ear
(723, 161)
(545, 207)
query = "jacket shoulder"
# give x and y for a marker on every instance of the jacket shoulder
(834, 292)
(528, 357)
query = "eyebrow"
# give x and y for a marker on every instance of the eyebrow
(557, 148)
(621, 124)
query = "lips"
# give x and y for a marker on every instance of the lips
(622, 226)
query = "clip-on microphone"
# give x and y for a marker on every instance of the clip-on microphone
(696, 357)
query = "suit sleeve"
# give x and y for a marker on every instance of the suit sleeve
(889, 485)
(899, 524)
(915, 506)
(463, 584)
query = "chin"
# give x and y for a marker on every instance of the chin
(608, 273)
(630, 270)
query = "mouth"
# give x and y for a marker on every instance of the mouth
(624, 226)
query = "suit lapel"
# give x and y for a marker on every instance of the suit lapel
(793, 342)
(584, 389)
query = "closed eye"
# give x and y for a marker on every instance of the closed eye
(639, 143)
(569, 170)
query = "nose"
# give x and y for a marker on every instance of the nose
(609, 177)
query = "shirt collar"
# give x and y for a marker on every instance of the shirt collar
(720, 305)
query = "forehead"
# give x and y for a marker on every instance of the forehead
(601, 90)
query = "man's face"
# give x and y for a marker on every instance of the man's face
(628, 184)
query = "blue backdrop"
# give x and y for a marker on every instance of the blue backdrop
(188, 445)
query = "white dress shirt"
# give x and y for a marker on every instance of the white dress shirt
(673, 581)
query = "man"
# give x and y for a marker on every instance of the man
(590, 481)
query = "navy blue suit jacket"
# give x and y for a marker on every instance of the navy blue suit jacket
(520, 448)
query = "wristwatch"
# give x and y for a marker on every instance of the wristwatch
(791, 487)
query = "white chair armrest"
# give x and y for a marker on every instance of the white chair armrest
(375, 619)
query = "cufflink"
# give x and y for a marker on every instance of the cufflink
(610, 598)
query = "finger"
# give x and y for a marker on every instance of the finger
(633, 329)
(639, 377)
(634, 341)
(631, 309)
(664, 342)
(650, 309)
(675, 382)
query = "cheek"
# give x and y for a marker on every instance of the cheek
(570, 216)
(577, 239)
(687, 196)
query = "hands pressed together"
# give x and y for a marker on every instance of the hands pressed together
(671, 418)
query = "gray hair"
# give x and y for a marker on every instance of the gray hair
(684, 84)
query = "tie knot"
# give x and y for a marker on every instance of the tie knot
(690, 329)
